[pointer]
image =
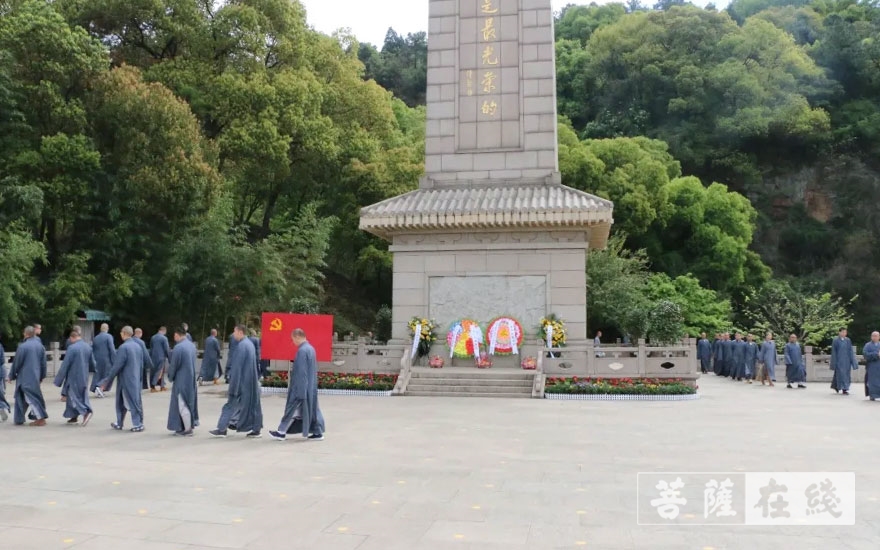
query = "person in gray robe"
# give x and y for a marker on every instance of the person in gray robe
(751, 357)
(795, 371)
(4, 404)
(301, 412)
(704, 353)
(74, 375)
(159, 354)
(843, 362)
(182, 373)
(148, 363)
(767, 359)
(729, 362)
(188, 335)
(738, 363)
(717, 355)
(28, 371)
(871, 352)
(104, 351)
(211, 359)
(128, 368)
(243, 398)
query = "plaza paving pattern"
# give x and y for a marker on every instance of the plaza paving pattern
(428, 473)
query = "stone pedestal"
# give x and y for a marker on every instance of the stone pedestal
(491, 231)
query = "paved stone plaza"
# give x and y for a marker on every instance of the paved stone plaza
(428, 473)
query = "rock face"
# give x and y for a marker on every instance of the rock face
(491, 231)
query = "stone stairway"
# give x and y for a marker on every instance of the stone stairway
(470, 382)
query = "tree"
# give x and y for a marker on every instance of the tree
(813, 315)
(665, 323)
(701, 309)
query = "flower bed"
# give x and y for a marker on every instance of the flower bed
(339, 381)
(618, 386)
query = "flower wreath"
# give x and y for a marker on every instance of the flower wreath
(422, 347)
(505, 336)
(464, 339)
(556, 332)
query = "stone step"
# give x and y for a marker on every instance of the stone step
(470, 395)
(473, 374)
(467, 389)
(521, 382)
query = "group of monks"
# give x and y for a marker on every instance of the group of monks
(134, 368)
(744, 360)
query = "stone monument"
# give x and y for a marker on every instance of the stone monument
(491, 230)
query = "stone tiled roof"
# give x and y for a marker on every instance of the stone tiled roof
(489, 206)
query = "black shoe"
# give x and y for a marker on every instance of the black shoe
(32, 416)
(233, 427)
(73, 420)
(115, 426)
(218, 433)
(788, 386)
(845, 392)
(137, 429)
(184, 433)
(277, 436)
(317, 437)
(254, 435)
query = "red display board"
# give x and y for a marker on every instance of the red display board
(277, 344)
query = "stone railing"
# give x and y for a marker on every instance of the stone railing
(819, 367)
(622, 361)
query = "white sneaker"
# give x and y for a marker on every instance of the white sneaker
(99, 393)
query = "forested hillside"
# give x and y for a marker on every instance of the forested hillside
(203, 161)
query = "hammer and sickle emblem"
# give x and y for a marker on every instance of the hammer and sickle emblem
(275, 325)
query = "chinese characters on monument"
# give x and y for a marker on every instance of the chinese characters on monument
(489, 74)
(755, 498)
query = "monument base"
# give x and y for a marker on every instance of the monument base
(523, 274)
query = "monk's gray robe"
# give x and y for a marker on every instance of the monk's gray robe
(159, 354)
(794, 364)
(128, 368)
(28, 370)
(301, 413)
(257, 343)
(182, 373)
(704, 354)
(767, 355)
(147, 363)
(243, 400)
(738, 369)
(4, 404)
(729, 363)
(843, 362)
(211, 359)
(74, 375)
(104, 351)
(751, 359)
(871, 352)
(718, 357)
(233, 343)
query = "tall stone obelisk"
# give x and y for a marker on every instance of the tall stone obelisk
(491, 231)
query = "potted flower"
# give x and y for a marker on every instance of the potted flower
(436, 362)
(529, 363)
(484, 362)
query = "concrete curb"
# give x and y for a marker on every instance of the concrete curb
(612, 397)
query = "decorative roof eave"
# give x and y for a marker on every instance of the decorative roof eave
(490, 207)
(386, 227)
